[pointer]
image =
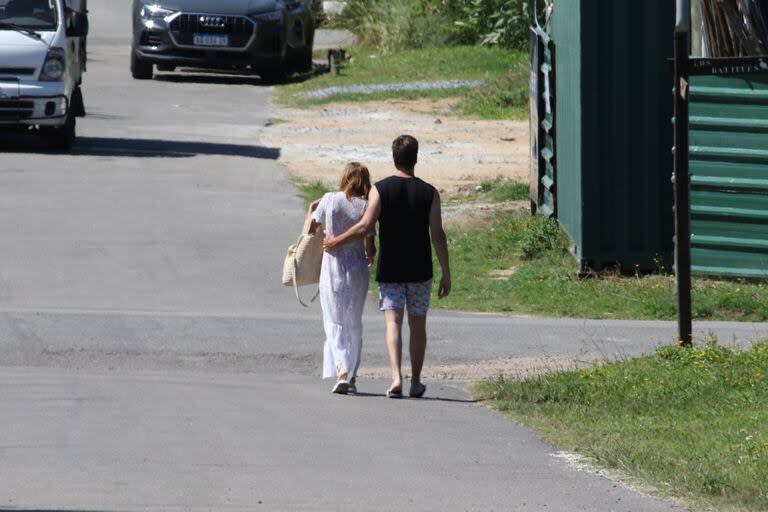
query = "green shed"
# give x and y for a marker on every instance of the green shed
(613, 130)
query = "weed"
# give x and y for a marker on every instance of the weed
(542, 234)
(310, 191)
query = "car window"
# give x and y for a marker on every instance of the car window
(34, 14)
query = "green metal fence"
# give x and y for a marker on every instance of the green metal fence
(729, 175)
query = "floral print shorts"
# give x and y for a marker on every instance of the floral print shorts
(396, 296)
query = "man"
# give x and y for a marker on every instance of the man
(408, 210)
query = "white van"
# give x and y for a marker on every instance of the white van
(42, 60)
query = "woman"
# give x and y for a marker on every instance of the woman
(344, 277)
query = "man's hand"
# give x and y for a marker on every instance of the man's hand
(445, 287)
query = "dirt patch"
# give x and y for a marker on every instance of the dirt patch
(502, 275)
(456, 153)
(473, 215)
(510, 368)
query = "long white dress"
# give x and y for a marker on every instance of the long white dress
(344, 282)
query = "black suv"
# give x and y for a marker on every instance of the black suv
(270, 37)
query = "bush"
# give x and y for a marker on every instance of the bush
(541, 235)
(495, 22)
(393, 25)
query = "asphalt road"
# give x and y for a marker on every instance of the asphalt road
(151, 360)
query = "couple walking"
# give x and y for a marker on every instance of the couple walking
(407, 210)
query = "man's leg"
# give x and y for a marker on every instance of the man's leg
(418, 347)
(394, 319)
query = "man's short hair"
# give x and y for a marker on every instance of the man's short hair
(405, 151)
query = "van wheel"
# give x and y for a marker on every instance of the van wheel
(140, 68)
(62, 138)
(78, 105)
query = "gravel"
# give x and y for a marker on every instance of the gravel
(411, 86)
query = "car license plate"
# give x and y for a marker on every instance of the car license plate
(211, 40)
(9, 89)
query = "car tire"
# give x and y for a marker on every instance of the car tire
(62, 138)
(140, 68)
(304, 61)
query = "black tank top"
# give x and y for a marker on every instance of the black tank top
(405, 251)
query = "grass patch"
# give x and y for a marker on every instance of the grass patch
(501, 190)
(692, 422)
(309, 191)
(545, 280)
(504, 95)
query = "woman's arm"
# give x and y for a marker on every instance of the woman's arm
(310, 213)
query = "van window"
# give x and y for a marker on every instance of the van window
(34, 14)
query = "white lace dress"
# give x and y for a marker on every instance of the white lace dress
(343, 286)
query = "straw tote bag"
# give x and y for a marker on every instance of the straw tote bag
(303, 261)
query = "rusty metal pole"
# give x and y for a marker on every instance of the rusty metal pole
(682, 175)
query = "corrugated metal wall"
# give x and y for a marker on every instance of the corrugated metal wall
(729, 175)
(613, 132)
(566, 32)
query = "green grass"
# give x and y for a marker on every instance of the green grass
(504, 95)
(691, 422)
(309, 191)
(544, 280)
(501, 190)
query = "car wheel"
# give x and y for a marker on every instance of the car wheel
(140, 68)
(304, 61)
(62, 138)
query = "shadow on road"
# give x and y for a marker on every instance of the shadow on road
(211, 78)
(138, 148)
(152, 148)
(226, 77)
(426, 398)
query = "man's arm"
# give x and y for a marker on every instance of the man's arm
(362, 228)
(370, 250)
(440, 242)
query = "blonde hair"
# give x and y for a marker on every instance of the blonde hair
(355, 181)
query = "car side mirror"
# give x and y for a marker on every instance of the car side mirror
(77, 26)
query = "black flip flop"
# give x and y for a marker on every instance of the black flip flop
(420, 393)
(394, 394)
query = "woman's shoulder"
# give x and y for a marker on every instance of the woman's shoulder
(328, 196)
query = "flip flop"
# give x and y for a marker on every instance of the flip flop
(419, 391)
(341, 387)
(394, 394)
